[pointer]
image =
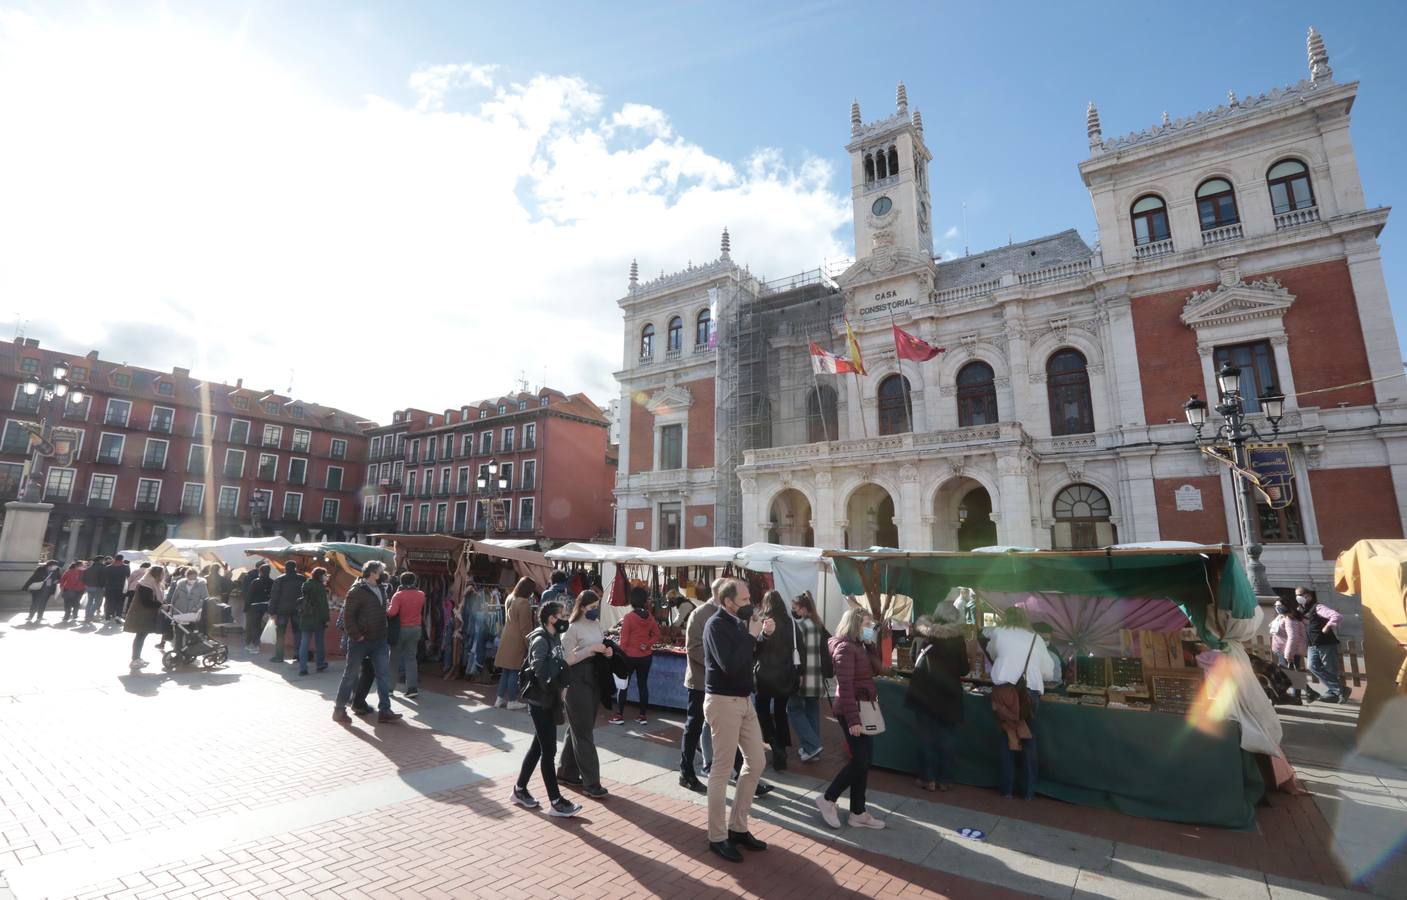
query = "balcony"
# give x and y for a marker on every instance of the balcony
(192, 509)
(55, 496)
(301, 447)
(442, 492)
(233, 471)
(115, 421)
(161, 426)
(1153, 249)
(529, 443)
(145, 506)
(238, 440)
(673, 353)
(1296, 217)
(152, 462)
(292, 515)
(391, 484)
(100, 502)
(1222, 234)
(267, 473)
(336, 453)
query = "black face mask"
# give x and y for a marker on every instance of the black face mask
(745, 612)
(560, 627)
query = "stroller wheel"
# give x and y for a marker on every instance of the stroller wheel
(217, 657)
(170, 660)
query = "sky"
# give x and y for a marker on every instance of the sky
(382, 205)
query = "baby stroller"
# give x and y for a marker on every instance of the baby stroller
(191, 641)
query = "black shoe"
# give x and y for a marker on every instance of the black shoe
(574, 782)
(413, 692)
(725, 850)
(779, 761)
(763, 789)
(363, 710)
(745, 840)
(596, 792)
(693, 784)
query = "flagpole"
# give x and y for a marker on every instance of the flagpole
(899, 364)
(852, 341)
(820, 403)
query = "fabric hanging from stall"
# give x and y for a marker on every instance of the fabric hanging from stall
(620, 586)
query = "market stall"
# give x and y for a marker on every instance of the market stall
(1159, 714)
(1377, 571)
(230, 550)
(343, 562)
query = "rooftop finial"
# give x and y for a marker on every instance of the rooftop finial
(726, 243)
(918, 122)
(1096, 136)
(855, 117)
(1167, 120)
(1318, 58)
(901, 99)
(634, 274)
(1231, 99)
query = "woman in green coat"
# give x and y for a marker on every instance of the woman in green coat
(314, 615)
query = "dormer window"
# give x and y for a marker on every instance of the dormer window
(544, 399)
(298, 412)
(271, 407)
(241, 402)
(165, 388)
(122, 380)
(522, 405)
(483, 414)
(502, 409)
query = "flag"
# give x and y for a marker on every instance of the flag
(823, 363)
(857, 362)
(906, 346)
(713, 317)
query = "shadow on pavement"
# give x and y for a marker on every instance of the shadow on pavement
(149, 684)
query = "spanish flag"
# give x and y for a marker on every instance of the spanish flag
(856, 360)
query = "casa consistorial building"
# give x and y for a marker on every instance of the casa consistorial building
(1054, 418)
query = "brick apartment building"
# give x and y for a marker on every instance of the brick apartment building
(552, 450)
(163, 454)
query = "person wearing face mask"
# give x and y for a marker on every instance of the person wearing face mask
(639, 632)
(582, 645)
(856, 662)
(544, 675)
(364, 617)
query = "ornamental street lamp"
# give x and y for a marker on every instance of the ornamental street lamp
(54, 392)
(1233, 433)
(491, 484)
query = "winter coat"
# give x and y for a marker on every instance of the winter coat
(936, 686)
(639, 632)
(93, 576)
(257, 598)
(693, 645)
(548, 666)
(143, 615)
(187, 596)
(286, 594)
(71, 580)
(313, 610)
(855, 667)
(513, 641)
(43, 578)
(115, 577)
(364, 615)
(1289, 637)
(775, 668)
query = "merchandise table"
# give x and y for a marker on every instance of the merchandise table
(666, 680)
(1150, 764)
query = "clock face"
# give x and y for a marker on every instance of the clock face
(882, 206)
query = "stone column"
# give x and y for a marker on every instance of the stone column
(753, 522)
(907, 506)
(122, 537)
(1122, 364)
(1138, 501)
(1015, 474)
(824, 516)
(1013, 400)
(1365, 270)
(74, 526)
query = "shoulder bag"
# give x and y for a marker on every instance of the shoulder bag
(871, 719)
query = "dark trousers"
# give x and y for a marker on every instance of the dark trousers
(112, 603)
(38, 602)
(693, 731)
(254, 624)
(1030, 762)
(776, 726)
(543, 751)
(638, 666)
(282, 623)
(856, 774)
(72, 599)
(937, 745)
(579, 759)
(364, 681)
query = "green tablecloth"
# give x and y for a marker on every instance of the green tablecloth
(1146, 764)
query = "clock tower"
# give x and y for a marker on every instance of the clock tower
(889, 185)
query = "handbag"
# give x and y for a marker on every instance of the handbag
(871, 719)
(827, 664)
(393, 629)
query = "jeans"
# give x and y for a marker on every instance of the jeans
(317, 638)
(508, 686)
(855, 776)
(543, 751)
(694, 731)
(71, 600)
(95, 602)
(38, 602)
(254, 625)
(639, 666)
(112, 603)
(379, 655)
(1324, 664)
(1030, 761)
(805, 716)
(937, 745)
(282, 622)
(406, 648)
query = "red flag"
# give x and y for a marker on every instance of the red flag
(823, 363)
(906, 346)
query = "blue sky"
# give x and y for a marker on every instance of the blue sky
(739, 112)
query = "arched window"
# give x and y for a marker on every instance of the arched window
(647, 341)
(1290, 188)
(821, 422)
(1216, 204)
(1150, 220)
(869, 168)
(1067, 381)
(676, 334)
(893, 161)
(895, 407)
(1082, 519)
(881, 165)
(702, 327)
(977, 395)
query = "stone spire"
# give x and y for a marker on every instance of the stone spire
(1231, 99)
(1318, 58)
(918, 122)
(901, 99)
(634, 274)
(1167, 119)
(1096, 136)
(726, 244)
(855, 117)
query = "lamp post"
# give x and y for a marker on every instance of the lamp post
(56, 388)
(491, 485)
(258, 509)
(1233, 432)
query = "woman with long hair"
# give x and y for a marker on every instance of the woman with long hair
(144, 615)
(582, 645)
(853, 650)
(775, 671)
(545, 672)
(513, 642)
(804, 706)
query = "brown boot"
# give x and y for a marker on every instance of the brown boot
(340, 715)
(388, 717)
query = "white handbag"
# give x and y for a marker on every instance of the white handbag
(871, 719)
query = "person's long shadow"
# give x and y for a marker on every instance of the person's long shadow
(149, 684)
(408, 747)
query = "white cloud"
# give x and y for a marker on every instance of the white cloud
(951, 233)
(253, 227)
(947, 256)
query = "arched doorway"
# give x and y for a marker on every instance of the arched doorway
(870, 519)
(790, 520)
(962, 516)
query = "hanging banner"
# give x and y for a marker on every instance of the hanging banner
(1275, 472)
(499, 514)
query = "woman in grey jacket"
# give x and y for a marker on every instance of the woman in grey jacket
(543, 678)
(582, 645)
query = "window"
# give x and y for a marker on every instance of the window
(292, 507)
(297, 471)
(1082, 519)
(101, 489)
(197, 459)
(16, 438)
(1216, 204)
(522, 405)
(529, 436)
(427, 481)
(122, 380)
(1150, 220)
(424, 517)
(405, 518)
(1256, 361)
(10, 475)
(192, 498)
(339, 449)
(268, 467)
(26, 402)
(154, 454)
(441, 517)
(110, 449)
(671, 527)
(166, 389)
(676, 334)
(330, 510)
(117, 413)
(525, 514)
(239, 431)
(29, 365)
(234, 463)
(462, 486)
(1278, 526)
(483, 413)
(647, 342)
(273, 435)
(272, 407)
(1067, 383)
(821, 424)
(896, 409)
(58, 484)
(672, 447)
(298, 412)
(1290, 188)
(241, 402)
(430, 445)
(467, 447)
(410, 484)
(76, 410)
(148, 493)
(529, 475)
(461, 515)
(203, 426)
(502, 408)
(79, 373)
(544, 400)
(508, 436)
(486, 443)
(444, 480)
(977, 395)
(228, 504)
(479, 515)
(334, 478)
(703, 328)
(162, 419)
(375, 445)
(414, 451)
(505, 474)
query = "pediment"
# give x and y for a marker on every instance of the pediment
(886, 262)
(672, 399)
(1238, 302)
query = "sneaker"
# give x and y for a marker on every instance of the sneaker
(413, 692)
(807, 757)
(322, 668)
(524, 799)
(829, 814)
(596, 792)
(562, 808)
(616, 720)
(500, 703)
(389, 717)
(642, 721)
(864, 820)
(137, 664)
(514, 704)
